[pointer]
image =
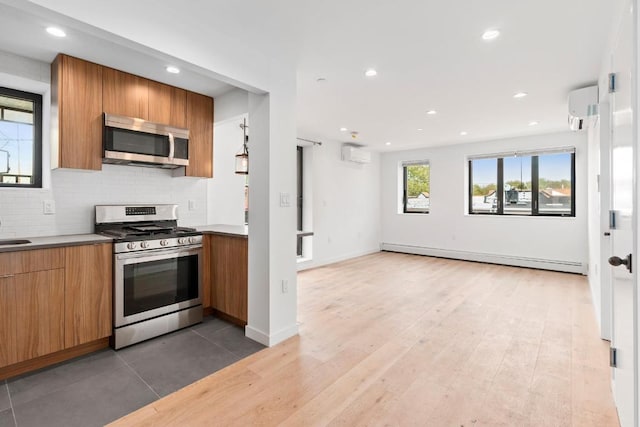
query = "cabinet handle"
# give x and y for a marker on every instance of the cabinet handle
(6, 276)
(172, 146)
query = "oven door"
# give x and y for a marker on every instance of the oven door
(152, 283)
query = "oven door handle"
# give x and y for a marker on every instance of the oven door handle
(161, 253)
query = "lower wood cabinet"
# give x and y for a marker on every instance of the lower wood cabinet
(228, 275)
(88, 293)
(53, 299)
(39, 298)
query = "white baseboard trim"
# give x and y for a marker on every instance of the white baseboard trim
(305, 265)
(270, 340)
(544, 264)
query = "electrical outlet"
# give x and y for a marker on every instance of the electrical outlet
(49, 207)
(192, 205)
(285, 286)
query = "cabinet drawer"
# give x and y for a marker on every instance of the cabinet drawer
(30, 261)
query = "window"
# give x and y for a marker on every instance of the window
(532, 183)
(416, 178)
(20, 139)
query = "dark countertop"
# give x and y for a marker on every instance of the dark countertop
(55, 242)
(226, 229)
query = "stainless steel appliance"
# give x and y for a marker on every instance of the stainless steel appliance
(128, 141)
(157, 271)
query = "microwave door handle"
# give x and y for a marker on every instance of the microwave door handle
(172, 146)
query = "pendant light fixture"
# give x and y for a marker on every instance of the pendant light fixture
(242, 158)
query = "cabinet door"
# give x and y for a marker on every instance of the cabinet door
(77, 94)
(8, 354)
(229, 275)
(200, 125)
(39, 302)
(125, 94)
(167, 104)
(88, 293)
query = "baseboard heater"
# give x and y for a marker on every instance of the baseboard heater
(543, 264)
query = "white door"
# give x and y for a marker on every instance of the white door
(622, 231)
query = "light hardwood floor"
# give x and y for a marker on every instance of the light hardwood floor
(400, 340)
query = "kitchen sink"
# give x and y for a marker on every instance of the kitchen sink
(14, 242)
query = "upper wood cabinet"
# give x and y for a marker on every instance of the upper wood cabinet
(88, 293)
(82, 91)
(200, 125)
(76, 99)
(125, 94)
(167, 104)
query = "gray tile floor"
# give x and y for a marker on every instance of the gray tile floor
(101, 387)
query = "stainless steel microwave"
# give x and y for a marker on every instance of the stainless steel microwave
(132, 141)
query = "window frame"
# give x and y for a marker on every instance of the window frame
(405, 197)
(535, 193)
(299, 197)
(37, 135)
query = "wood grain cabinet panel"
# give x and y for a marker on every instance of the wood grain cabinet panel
(30, 261)
(125, 94)
(88, 293)
(200, 125)
(77, 100)
(167, 104)
(229, 267)
(39, 302)
(8, 354)
(206, 271)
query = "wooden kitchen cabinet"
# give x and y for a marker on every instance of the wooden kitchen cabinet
(8, 327)
(167, 104)
(76, 99)
(206, 271)
(88, 293)
(31, 304)
(39, 300)
(229, 278)
(125, 94)
(200, 125)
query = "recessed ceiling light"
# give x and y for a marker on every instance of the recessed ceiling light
(57, 32)
(343, 129)
(371, 72)
(490, 35)
(420, 129)
(173, 70)
(387, 143)
(463, 133)
(534, 123)
(432, 112)
(519, 95)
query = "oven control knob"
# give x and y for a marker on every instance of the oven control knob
(182, 241)
(164, 242)
(144, 245)
(131, 245)
(192, 240)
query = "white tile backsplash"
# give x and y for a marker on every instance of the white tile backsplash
(77, 192)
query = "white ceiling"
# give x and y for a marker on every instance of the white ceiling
(428, 53)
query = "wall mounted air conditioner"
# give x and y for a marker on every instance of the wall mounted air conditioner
(355, 154)
(582, 104)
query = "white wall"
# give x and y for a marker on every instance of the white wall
(344, 200)
(449, 231)
(226, 189)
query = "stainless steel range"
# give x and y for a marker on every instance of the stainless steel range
(157, 271)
